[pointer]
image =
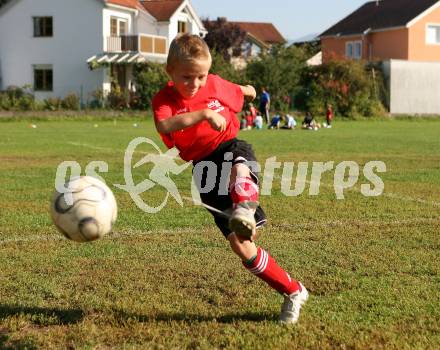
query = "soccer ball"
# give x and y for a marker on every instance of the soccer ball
(86, 210)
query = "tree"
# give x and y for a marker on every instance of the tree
(149, 78)
(279, 70)
(353, 88)
(224, 37)
(2, 2)
(226, 70)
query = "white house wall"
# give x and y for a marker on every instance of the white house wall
(146, 24)
(414, 87)
(163, 30)
(77, 35)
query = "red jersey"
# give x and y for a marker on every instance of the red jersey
(200, 140)
(253, 111)
(249, 120)
(329, 114)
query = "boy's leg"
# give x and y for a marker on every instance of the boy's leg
(244, 195)
(262, 265)
(257, 261)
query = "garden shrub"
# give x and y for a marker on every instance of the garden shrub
(149, 78)
(71, 102)
(17, 98)
(52, 103)
(350, 86)
(117, 98)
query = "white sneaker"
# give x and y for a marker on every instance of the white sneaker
(242, 220)
(292, 305)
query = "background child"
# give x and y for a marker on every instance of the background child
(196, 113)
(243, 122)
(289, 122)
(258, 122)
(329, 116)
(249, 120)
(252, 110)
(309, 123)
(275, 122)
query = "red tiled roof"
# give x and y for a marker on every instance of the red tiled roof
(265, 32)
(162, 10)
(126, 3)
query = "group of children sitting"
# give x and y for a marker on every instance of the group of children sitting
(251, 119)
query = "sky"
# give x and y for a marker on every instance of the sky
(294, 19)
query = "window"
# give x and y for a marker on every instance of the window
(118, 26)
(181, 27)
(43, 78)
(357, 50)
(122, 28)
(353, 49)
(433, 34)
(43, 26)
(349, 49)
(113, 27)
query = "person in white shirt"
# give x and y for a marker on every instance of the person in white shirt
(289, 122)
(258, 122)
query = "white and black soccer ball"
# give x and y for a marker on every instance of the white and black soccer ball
(86, 210)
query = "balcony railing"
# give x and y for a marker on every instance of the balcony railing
(149, 44)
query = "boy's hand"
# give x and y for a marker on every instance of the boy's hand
(216, 120)
(252, 92)
(249, 92)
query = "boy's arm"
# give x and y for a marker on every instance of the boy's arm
(185, 120)
(248, 91)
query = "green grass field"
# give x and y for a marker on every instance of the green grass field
(169, 280)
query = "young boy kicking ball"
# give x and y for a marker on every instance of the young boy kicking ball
(196, 113)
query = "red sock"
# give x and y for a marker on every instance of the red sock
(244, 189)
(265, 267)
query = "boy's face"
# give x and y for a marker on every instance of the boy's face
(189, 77)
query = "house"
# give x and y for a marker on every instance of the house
(61, 46)
(259, 37)
(386, 29)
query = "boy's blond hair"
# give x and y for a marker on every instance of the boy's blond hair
(187, 48)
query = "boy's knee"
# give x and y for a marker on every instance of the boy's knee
(241, 169)
(244, 249)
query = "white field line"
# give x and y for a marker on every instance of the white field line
(298, 225)
(357, 223)
(385, 194)
(60, 237)
(90, 146)
(78, 144)
(406, 198)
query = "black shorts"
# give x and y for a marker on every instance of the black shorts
(235, 151)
